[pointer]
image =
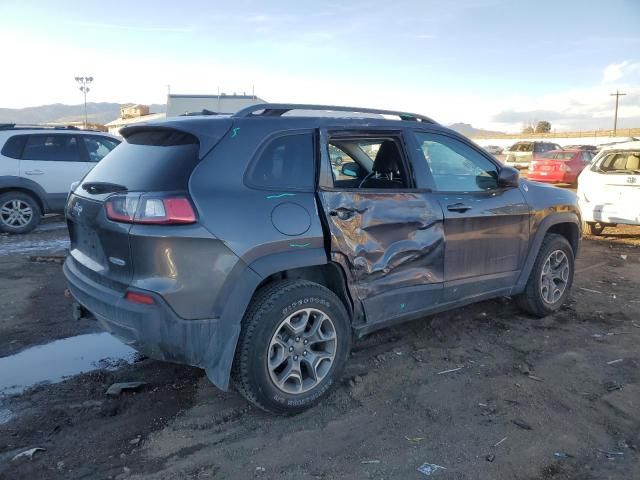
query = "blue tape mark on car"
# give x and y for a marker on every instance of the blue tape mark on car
(281, 195)
(299, 245)
(235, 131)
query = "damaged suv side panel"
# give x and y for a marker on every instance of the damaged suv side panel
(393, 241)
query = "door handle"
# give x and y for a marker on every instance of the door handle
(458, 207)
(343, 213)
(34, 172)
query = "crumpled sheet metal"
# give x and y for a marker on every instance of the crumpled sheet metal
(394, 240)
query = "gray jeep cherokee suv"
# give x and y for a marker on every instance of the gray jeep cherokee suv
(235, 244)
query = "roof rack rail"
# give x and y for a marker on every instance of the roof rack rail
(279, 109)
(26, 126)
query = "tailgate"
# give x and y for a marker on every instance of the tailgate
(99, 247)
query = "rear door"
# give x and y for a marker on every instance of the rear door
(54, 161)
(384, 227)
(486, 226)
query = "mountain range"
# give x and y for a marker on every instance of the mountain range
(104, 112)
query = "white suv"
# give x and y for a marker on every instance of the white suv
(38, 166)
(609, 189)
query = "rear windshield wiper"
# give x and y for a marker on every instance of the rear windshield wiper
(103, 187)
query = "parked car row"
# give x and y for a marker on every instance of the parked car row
(38, 166)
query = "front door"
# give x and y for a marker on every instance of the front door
(486, 226)
(386, 231)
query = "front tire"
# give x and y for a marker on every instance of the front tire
(550, 279)
(19, 212)
(294, 343)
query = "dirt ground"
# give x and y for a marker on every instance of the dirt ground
(484, 392)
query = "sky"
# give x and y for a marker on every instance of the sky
(496, 64)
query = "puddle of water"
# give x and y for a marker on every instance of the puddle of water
(9, 245)
(58, 360)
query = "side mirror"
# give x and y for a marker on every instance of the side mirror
(351, 169)
(508, 177)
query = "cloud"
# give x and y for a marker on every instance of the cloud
(616, 71)
(587, 109)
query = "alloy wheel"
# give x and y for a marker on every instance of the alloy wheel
(302, 351)
(16, 213)
(554, 277)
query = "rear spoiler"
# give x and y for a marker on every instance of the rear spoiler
(208, 132)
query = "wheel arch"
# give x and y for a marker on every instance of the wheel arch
(566, 224)
(327, 274)
(26, 186)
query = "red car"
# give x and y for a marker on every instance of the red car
(560, 166)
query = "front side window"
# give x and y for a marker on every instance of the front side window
(455, 166)
(367, 163)
(98, 147)
(56, 148)
(286, 163)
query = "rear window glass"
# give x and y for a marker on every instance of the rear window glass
(55, 148)
(14, 146)
(522, 147)
(286, 163)
(560, 155)
(149, 161)
(621, 162)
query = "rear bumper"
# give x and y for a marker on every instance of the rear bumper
(550, 177)
(614, 214)
(156, 330)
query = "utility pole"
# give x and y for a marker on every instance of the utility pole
(615, 118)
(84, 88)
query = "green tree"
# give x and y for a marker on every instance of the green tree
(527, 129)
(543, 127)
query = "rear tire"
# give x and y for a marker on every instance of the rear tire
(550, 279)
(294, 343)
(19, 212)
(594, 228)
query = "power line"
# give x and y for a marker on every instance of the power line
(615, 117)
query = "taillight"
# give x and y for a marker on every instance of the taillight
(150, 209)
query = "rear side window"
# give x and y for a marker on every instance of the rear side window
(55, 148)
(286, 163)
(13, 146)
(98, 147)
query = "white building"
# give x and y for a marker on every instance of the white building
(223, 103)
(115, 125)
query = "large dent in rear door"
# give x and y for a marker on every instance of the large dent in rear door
(394, 240)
